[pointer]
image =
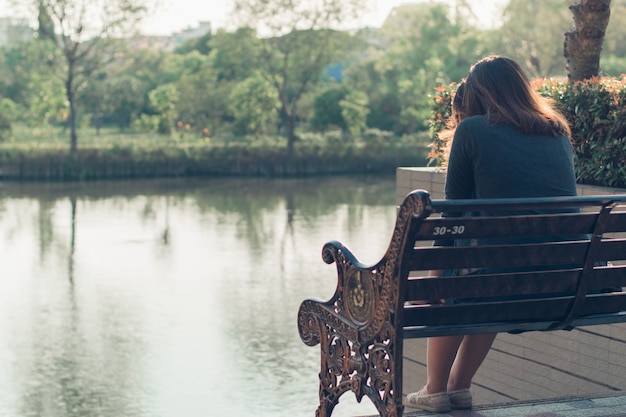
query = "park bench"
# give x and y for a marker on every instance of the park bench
(567, 272)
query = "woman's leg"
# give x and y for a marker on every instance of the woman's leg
(472, 352)
(440, 354)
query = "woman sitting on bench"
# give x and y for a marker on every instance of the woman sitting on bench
(508, 141)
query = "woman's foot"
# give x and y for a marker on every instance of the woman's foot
(461, 399)
(436, 403)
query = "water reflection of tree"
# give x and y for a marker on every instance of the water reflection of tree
(45, 226)
(263, 301)
(70, 374)
(65, 369)
(309, 198)
(247, 198)
(70, 261)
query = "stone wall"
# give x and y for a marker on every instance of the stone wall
(433, 180)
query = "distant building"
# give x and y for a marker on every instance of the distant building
(14, 30)
(171, 42)
(190, 33)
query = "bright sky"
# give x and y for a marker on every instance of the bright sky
(176, 15)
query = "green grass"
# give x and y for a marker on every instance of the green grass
(55, 137)
(44, 154)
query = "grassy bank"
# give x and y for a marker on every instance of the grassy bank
(46, 156)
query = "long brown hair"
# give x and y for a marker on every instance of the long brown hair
(497, 87)
(455, 118)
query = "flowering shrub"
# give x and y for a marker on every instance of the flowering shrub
(441, 111)
(596, 111)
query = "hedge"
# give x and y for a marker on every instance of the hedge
(91, 163)
(596, 111)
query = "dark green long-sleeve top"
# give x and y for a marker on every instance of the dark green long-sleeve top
(499, 161)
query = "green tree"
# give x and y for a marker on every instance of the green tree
(235, 55)
(424, 47)
(27, 77)
(122, 95)
(613, 58)
(207, 81)
(616, 30)
(205, 103)
(373, 75)
(88, 44)
(7, 115)
(201, 44)
(113, 97)
(535, 43)
(327, 109)
(205, 106)
(254, 104)
(354, 112)
(163, 99)
(45, 25)
(300, 43)
(125, 99)
(92, 98)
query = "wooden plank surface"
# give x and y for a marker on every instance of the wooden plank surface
(531, 366)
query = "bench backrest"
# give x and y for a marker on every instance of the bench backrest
(526, 264)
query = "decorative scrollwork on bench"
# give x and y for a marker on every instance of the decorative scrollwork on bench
(357, 326)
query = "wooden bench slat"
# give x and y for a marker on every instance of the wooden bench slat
(494, 227)
(599, 310)
(608, 277)
(544, 309)
(536, 309)
(617, 222)
(613, 250)
(541, 254)
(488, 256)
(492, 285)
(604, 303)
(516, 204)
(538, 225)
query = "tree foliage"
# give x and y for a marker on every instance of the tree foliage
(297, 54)
(536, 43)
(254, 104)
(300, 42)
(86, 32)
(354, 113)
(27, 78)
(327, 109)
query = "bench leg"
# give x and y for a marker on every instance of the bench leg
(334, 380)
(366, 371)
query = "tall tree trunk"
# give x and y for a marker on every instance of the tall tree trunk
(73, 133)
(71, 99)
(583, 44)
(290, 117)
(291, 133)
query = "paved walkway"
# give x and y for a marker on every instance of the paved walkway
(608, 406)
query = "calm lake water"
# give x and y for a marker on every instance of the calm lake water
(173, 298)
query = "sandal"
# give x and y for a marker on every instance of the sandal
(436, 403)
